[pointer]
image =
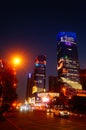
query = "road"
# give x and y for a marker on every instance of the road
(38, 120)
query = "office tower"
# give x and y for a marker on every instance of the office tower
(40, 73)
(30, 84)
(53, 84)
(83, 78)
(67, 60)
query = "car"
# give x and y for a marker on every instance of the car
(61, 112)
(49, 110)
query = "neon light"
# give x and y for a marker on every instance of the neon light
(37, 64)
(29, 75)
(68, 43)
(67, 34)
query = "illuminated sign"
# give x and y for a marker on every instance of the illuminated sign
(40, 60)
(50, 94)
(29, 75)
(34, 89)
(60, 63)
(68, 43)
(66, 36)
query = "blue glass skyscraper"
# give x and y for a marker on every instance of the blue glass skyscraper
(67, 59)
(40, 73)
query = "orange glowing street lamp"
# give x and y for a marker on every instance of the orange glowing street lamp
(64, 91)
(16, 61)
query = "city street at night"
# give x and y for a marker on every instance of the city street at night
(43, 65)
(39, 120)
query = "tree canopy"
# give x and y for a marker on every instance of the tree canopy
(7, 88)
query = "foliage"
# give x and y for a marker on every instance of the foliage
(7, 90)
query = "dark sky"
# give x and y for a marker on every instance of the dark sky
(30, 28)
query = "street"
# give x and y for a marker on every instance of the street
(39, 120)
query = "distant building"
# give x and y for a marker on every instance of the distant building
(53, 84)
(30, 84)
(67, 60)
(40, 73)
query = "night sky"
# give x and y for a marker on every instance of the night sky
(29, 29)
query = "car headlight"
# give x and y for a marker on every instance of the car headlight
(68, 113)
(61, 112)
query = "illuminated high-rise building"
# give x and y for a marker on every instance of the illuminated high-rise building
(40, 74)
(67, 60)
(83, 78)
(53, 84)
(30, 84)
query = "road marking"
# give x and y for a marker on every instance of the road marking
(13, 124)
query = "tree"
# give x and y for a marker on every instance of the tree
(7, 90)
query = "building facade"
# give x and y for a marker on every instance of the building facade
(30, 84)
(83, 78)
(67, 60)
(40, 73)
(53, 84)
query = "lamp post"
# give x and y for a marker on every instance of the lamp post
(15, 61)
(64, 91)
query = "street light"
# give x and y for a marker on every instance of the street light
(64, 91)
(16, 61)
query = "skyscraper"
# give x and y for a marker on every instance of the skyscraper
(67, 59)
(53, 83)
(40, 73)
(30, 84)
(83, 78)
